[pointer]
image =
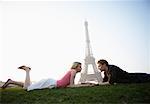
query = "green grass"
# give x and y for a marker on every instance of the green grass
(120, 93)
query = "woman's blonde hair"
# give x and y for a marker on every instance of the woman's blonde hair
(75, 65)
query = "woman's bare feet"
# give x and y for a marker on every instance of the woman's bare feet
(24, 67)
(6, 83)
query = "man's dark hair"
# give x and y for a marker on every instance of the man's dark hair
(102, 61)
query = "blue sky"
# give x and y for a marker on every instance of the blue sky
(49, 36)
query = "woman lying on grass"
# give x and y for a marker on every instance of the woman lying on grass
(66, 81)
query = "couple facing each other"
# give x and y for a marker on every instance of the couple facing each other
(112, 74)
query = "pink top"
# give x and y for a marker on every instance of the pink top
(64, 81)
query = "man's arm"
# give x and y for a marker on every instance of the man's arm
(113, 75)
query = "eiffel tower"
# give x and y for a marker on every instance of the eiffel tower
(89, 60)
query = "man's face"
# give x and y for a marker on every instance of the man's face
(101, 67)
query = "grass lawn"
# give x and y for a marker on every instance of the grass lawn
(120, 93)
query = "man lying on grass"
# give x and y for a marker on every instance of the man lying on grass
(113, 74)
(66, 81)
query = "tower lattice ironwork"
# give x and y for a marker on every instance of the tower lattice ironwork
(89, 60)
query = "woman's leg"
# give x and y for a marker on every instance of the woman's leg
(27, 79)
(42, 84)
(9, 81)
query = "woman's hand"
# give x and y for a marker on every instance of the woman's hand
(104, 83)
(82, 85)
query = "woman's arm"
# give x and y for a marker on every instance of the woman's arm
(104, 83)
(73, 74)
(82, 85)
(72, 78)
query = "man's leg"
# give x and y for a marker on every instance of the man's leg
(140, 77)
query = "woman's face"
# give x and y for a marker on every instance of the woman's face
(79, 68)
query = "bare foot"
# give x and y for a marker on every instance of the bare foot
(24, 67)
(6, 83)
